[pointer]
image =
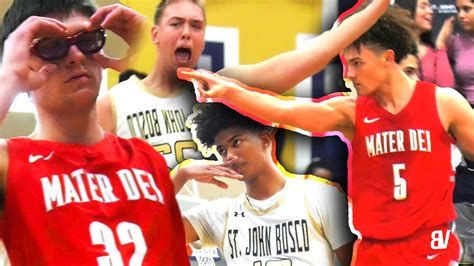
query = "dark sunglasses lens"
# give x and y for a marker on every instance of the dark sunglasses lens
(91, 42)
(51, 49)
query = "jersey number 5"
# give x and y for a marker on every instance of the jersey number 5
(400, 184)
(127, 233)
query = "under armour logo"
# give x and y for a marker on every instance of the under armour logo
(239, 213)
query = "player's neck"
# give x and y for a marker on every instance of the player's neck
(163, 81)
(396, 92)
(79, 129)
(269, 182)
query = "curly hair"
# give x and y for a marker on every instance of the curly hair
(213, 118)
(389, 32)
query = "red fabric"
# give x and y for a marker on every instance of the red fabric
(98, 206)
(415, 250)
(427, 170)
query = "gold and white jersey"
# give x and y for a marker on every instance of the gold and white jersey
(159, 120)
(302, 226)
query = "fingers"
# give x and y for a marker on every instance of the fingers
(219, 183)
(125, 22)
(105, 61)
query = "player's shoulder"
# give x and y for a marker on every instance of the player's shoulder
(449, 99)
(314, 185)
(124, 86)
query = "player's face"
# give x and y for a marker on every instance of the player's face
(424, 16)
(179, 36)
(411, 67)
(466, 14)
(243, 149)
(74, 85)
(366, 69)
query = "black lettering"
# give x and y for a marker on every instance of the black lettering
(277, 239)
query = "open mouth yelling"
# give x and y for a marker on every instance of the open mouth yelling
(183, 55)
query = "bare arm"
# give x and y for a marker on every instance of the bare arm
(3, 167)
(189, 232)
(457, 117)
(105, 114)
(335, 114)
(201, 171)
(284, 71)
(344, 254)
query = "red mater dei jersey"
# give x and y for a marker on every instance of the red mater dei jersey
(402, 178)
(111, 203)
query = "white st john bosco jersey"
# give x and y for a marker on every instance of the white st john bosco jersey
(158, 120)
(303, 227)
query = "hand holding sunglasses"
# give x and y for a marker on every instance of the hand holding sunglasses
(126, 23)
(18, 66)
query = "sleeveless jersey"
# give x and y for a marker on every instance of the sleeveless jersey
(158, 120)
(302, 227)
(111, 203)
(402, 179)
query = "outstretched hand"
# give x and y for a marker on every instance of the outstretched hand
(28, 71)
(126, 23)
(209, 85)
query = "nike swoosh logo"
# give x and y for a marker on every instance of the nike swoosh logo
(34, 158)
(430, 257)
(369, 121)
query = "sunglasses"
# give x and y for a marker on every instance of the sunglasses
(88, 42)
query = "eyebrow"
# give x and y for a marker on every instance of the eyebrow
(354, 59)
(181, 19)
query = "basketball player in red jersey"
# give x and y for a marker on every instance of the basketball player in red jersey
(72, 194)
(401, 132)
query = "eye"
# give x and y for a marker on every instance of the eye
(196, 26)
(236, 142)
(222, 151)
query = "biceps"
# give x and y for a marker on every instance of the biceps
(316, 117)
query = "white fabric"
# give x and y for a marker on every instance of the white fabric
(303, 227)
(158, 120)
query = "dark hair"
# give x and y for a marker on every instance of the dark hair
(212, 118)
(131, 72)
(411, 6)
(317, 162)
(160, 9)
(389, 32)
(20, 10)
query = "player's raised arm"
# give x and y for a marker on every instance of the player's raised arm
(330, 115)
(284, 71)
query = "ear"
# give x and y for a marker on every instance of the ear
(389, 56)
(266, 138)
(155, 34)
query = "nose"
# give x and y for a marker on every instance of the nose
(430, 10)
(350, 73)
(230, 156)
(186, 32)
(74, 56)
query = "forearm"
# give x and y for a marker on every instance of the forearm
(283, 72)
(8, 93)
(178, 178)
